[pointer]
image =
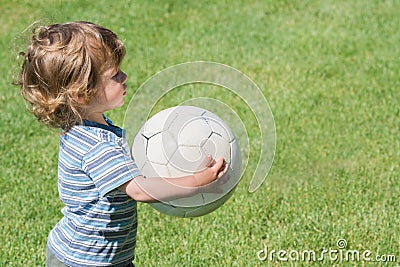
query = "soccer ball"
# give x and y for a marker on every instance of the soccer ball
(174, 143)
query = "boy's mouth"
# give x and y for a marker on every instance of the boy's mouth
(124, 86)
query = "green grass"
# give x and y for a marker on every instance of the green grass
(330, 70)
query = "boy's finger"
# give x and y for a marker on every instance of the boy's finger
(223, 170)
(219, 164)
(207, 162)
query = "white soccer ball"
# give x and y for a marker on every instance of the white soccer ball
(174, 143)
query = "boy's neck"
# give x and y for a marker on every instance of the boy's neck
(97, 117)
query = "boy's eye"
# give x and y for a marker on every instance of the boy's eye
(117, 75)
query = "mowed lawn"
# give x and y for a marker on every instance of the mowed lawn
(330, 70)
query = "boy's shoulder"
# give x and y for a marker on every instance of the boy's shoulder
(92, 134)
(91, 137)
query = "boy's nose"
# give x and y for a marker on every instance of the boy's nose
(124, 77)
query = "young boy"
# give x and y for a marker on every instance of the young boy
(70, 76)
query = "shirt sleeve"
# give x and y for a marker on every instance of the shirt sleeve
(109, 166)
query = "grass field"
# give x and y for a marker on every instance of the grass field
(330, 70)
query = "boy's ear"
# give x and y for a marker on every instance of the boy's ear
(79, 98)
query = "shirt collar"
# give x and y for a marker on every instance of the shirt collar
(110, 127)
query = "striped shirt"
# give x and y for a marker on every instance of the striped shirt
(100, 222)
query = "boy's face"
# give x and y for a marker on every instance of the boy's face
(111, 91)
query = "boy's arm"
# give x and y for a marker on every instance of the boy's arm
(163, 189)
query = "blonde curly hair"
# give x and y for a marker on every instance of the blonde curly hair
(63, 63)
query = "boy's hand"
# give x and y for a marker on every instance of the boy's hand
(210, 171)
